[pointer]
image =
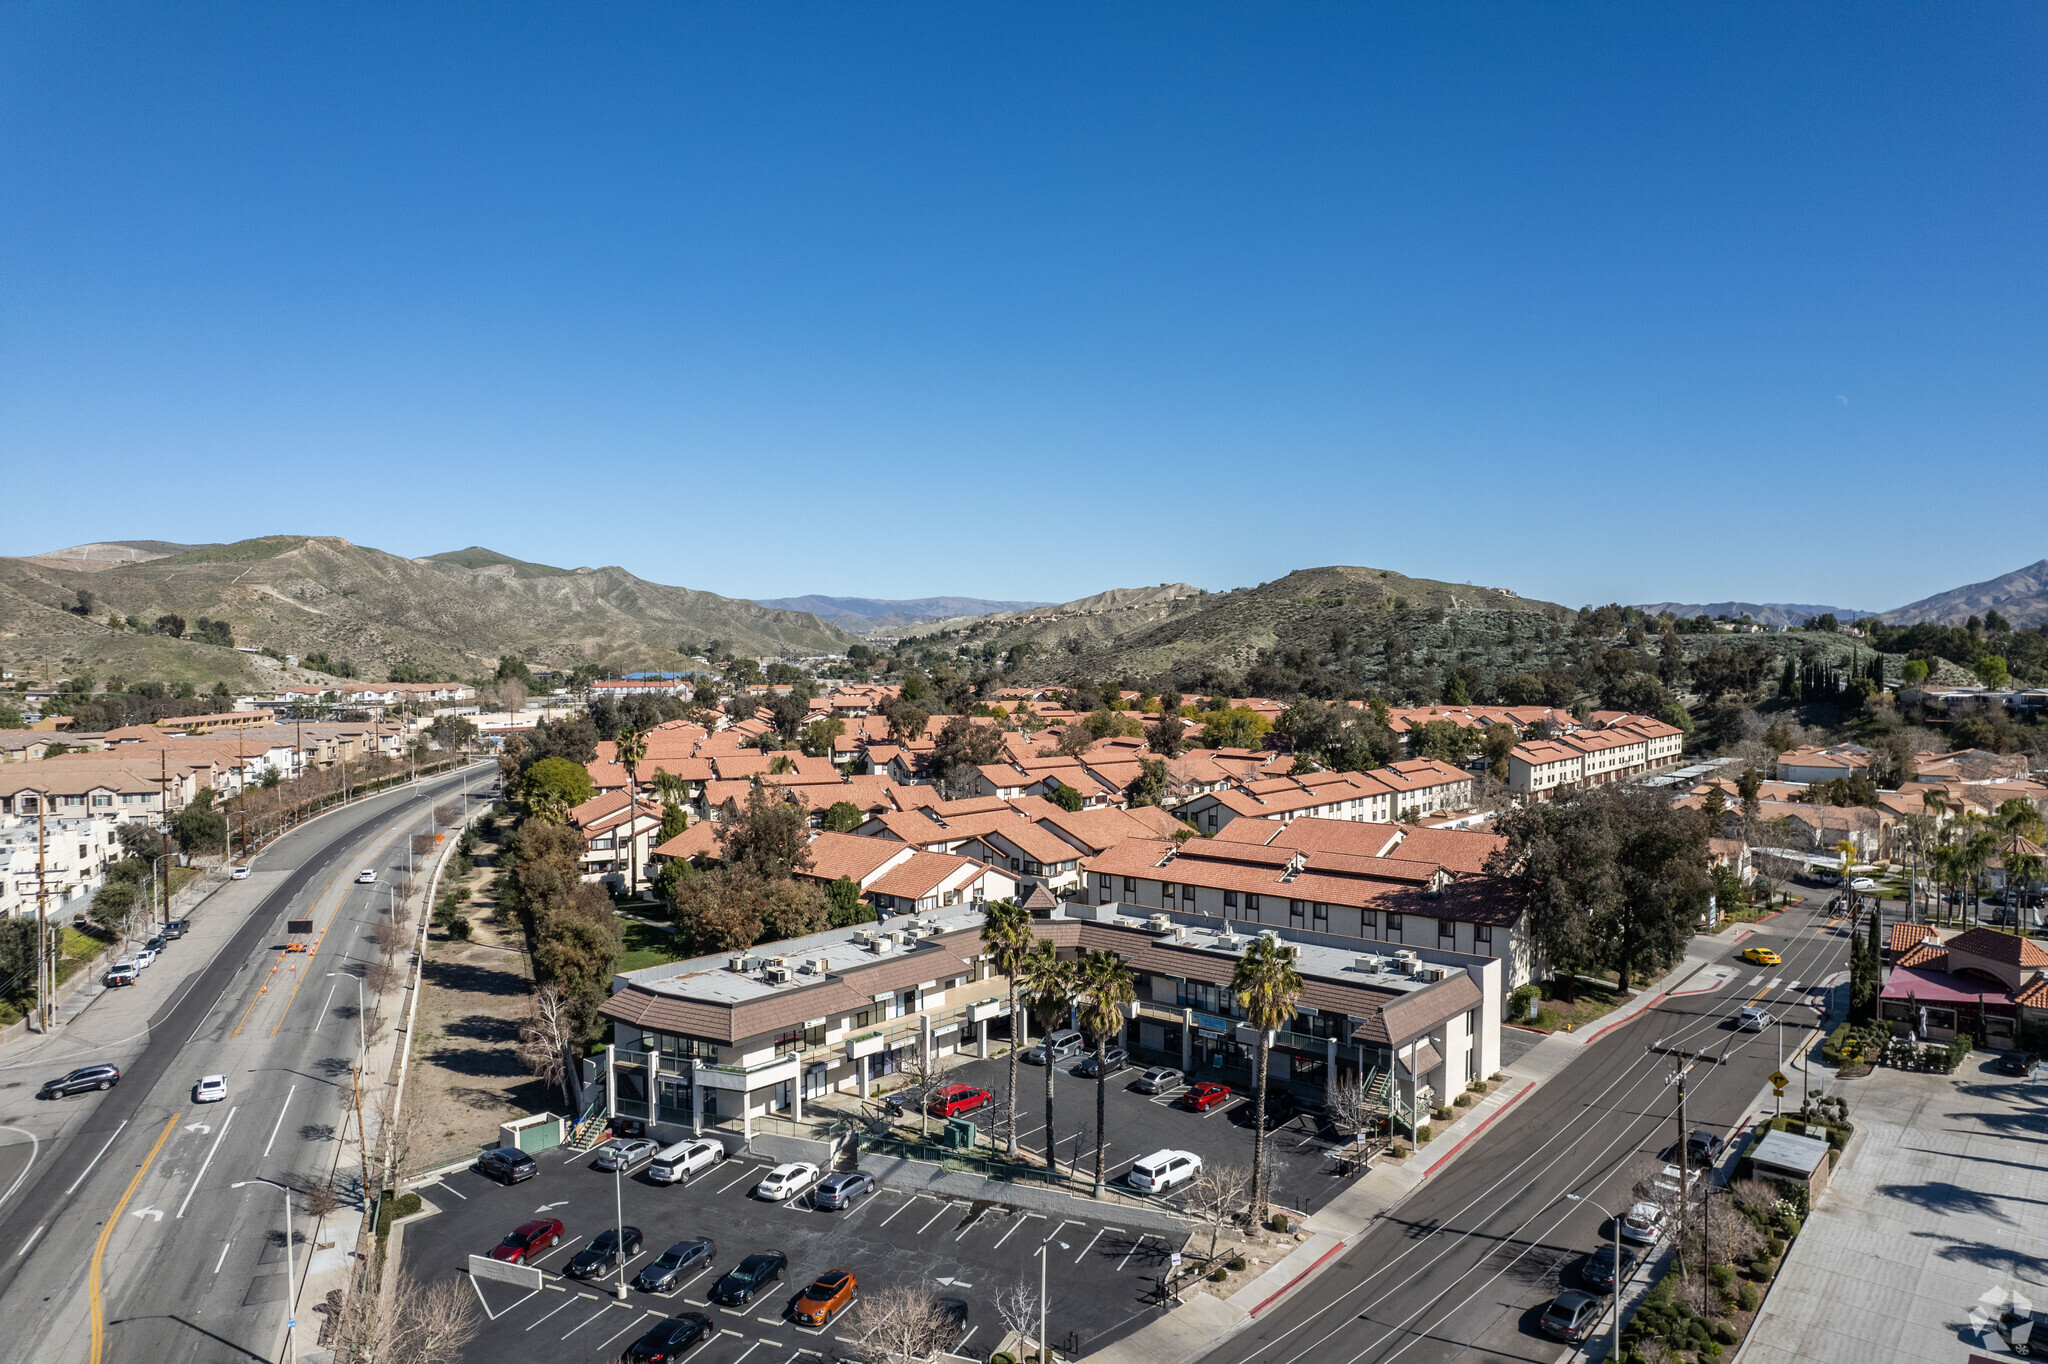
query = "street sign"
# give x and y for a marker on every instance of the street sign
(1778, 1091)
(1778, 1079)
(1176, 1260)
(291, 1323)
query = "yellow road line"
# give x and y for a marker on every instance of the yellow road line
(99, 1252)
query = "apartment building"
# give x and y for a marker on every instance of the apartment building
(1628, 746)
(1809, 765)
(75, 854)
(1360, 797)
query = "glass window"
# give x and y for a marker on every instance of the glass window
(1369, 918)
(1165, 891)
(1446, 930)
(1251, 902)
(1295, 909)
(1130, 885)
(1393, 922)
(1187, 892)
(1482, 935)
(1230, 899)
(1322, 916)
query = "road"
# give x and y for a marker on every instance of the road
(123, 1238)
(1462, 1268)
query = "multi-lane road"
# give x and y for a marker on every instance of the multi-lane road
(1461, 1269)
(121, 1234)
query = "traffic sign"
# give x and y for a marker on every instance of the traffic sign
(1778, 1079)
(1778, 1091)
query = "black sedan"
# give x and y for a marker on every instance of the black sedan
(507, 1165)
(2014, 1063)
(669, 1339)
(676, 1264)
(81, 1080)
(1114, 1059)
(749, 1277)
(1604, 1268)
(603, 1255)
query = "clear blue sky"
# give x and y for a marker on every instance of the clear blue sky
(1594, 302)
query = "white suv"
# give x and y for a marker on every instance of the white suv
(1162, 1170)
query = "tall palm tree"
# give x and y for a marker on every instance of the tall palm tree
(1266, 986)
(632, 750)
(1006, 937)
(2017, 819)
(1107, 991)
(1048, 988)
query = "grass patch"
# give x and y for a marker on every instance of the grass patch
(647, 945)
(1556, 1014)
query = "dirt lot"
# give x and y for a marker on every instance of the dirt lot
(465, 1078)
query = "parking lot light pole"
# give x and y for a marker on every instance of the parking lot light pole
(1043, 1354)
(1614, 1339)
(362, 1037)
(291, 1324)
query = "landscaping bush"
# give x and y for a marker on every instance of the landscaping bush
(1278, 1222)
(1724, 1334)
(1235, 1262)
(1746, 1297)
(1722, 1275)
(1831, 1050)
(1441, 1114)
(1958, 1050)
(459, 928)
(1462, 1101)
(1218, 1274)
(1398, 1148)
(1761, 1267)
(1422, 1135)
(1002, 1357)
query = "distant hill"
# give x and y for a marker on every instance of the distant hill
(2021, 596)
(105, 554)
(1763, 613)
(866, 615)
(1373, 627)
(454, 614)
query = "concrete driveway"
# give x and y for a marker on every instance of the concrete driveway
(1932, 1223)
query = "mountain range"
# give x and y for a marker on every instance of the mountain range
(1763, 613)
(2020, 596)
(867, 615)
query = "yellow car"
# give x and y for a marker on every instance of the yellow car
(1762, 956)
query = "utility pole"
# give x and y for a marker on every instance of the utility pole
(164, 827)
(45, 978)
(1682, 1062)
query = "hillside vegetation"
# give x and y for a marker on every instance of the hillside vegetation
(453, 615)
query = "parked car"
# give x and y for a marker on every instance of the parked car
(177, 928)
(749, 1277)
(1207, 1095)
(144, 958)
(1571, 1316)
(1753, 1019)
(667, 1340)
(80, 1080)
(507, 1165)
(2014, 1063)
(121, 973)
(954, 1310)
(839, 1190)
(1281, 1108)
(238, 873)
(1162, 1170)
(527, 1240)
(1703, 1148)
(157, 944)
(2018, 1328)
(211, 1089)
(1160, 1080)
(626, 1153)
(1643, 1223)
(1057, 1047)
(1605, 1267)
(685, 1158)
(367, 876)
(1762, 956)
(1114, 1059)
(611, 1248)
(1863, 883)
(829, 1294)
(677, 1264)
(786, 1181)
(952, 1100)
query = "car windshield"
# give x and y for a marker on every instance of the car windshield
(669, 1259)
(748, 1270)
(605, 1241)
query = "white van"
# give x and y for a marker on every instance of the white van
(684, 1158)
(1162, 1170)
(1063, 1045)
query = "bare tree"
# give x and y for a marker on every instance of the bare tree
(418, 1324)
(390, 938)
(901, 1324)
(383, 976)
(1218, 1196)
(544, 1039)
(321, 1197)
(449, 815)
(1351, 1107)
(922, 1076)
(1018, 1308)
(422, 844)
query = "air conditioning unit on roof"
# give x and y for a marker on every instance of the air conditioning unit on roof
(1159, 923)
(776, 975)
(863, 936)
(1370, 964)
(738, 965)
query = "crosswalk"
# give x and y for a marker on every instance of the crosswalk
(1775, 981)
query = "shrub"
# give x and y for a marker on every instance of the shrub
(1422, 1134)
(1278, 1222)
(1398, 1148)
(1441, 1114)
(1235, 1262)
(1002, 1357)
(1462, 1101)
(1773, 1244)
(1722, 1275)
(1218, 1274)
(1724, 1334)
(1746, 1297)
(458, 928)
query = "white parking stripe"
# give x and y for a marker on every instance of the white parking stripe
(627, 1327)
(561, 1245)
(746, 1173)
(581, 1324)
(1091, 1244)
(565, 1303)
(899, 1212)
(943, 1207)
(1021, 1220)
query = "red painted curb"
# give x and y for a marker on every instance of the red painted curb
(1468, 1138)
(1288, 1287)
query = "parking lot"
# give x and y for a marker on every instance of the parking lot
(1305, 1169)
(1101, 1278)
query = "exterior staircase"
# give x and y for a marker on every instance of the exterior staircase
(586, 1133)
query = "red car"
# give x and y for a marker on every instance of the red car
(527, 1240)
(1207, 1095)
(954, 1100)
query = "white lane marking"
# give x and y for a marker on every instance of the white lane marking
(223, 1256)
(95, 1160)
(1091, 1244)
(1776, 981)
(961, 1348)
(35, 1147)
(581, 1324)
(330, 997)
(280, 1121)
(30, 1241)
(1132, 1251)
(450, 1188)
(745, 1173)
(558, 1246)
(749, 1350)
(225, 1124)
(934, 1217)
(564, 1303)
(899, 1212)
(627, 1327)
(1021, 1220)
(1069, 1222)
(1753, 980)
(1793, 986)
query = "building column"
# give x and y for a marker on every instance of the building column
(1187, 1041)
(860, 1066)
(696, 1099)
(796, 1094)
(981, 1039)
(611, 1083)
(653, 1087)
(747, 1117)
(1330, 1070)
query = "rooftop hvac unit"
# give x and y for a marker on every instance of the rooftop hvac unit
(821, 965)
(1429, 972)
(1180, 932)
(1270, 934)
(1160, 923)
(1372, 964)
(737, 964)
(883, 944)
(776, 975)
(863, 936)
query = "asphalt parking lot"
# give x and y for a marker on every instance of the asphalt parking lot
(1101, 1278)
(1305, 1170)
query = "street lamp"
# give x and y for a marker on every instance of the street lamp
(291, 1322)
(619, 1199)
(362, 1042)
(1614, 1339)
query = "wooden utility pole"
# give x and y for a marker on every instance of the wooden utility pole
(1682, 1062)
(164, 825)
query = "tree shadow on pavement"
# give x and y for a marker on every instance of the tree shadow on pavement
(1943, 1197)
(475, 979)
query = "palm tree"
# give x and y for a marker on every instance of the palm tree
(2017, 819)
(1006, 936)
(1107, 992)
(632, 749)
(1048, 987)
(1266, 986)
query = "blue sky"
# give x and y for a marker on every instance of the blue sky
(1594, 302)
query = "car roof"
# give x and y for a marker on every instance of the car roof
(1168, 1153)
(524, 1227)
(1572, 1298)
(834, 1277)
(759, 1256)
(213, 1079)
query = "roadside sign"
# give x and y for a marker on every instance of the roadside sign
(298, 925)
(1778, 1091)
(1176, 1260)
(1778, 1079)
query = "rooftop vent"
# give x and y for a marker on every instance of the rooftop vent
(737, 964)
(884, 944)
(776, 974)
(1160, 923)
(1370, 964)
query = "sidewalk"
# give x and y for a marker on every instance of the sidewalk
(1195, 1327)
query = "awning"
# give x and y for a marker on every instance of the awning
(1426, 1059)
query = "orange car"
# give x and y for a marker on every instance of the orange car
(826, 1298)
